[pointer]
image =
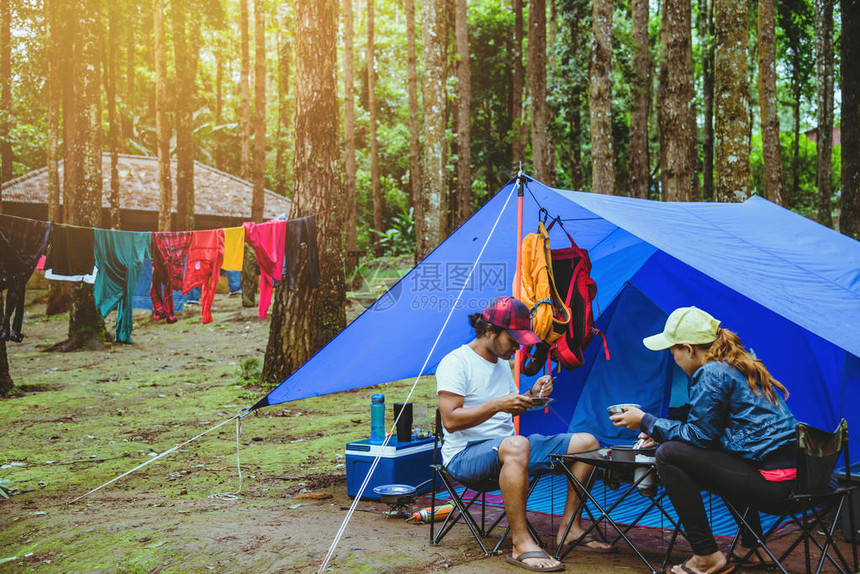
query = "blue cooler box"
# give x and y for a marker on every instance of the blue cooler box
(399, 463)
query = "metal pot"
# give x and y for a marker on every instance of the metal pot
(624, 453)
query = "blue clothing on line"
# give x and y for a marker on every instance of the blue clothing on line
(119, 257)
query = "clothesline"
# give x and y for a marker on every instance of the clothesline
(112, 260)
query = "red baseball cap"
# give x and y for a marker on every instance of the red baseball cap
(513, 316)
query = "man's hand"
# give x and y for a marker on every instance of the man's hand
(542, 387)
(631, 417)
(514, 403)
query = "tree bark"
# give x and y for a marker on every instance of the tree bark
(600, 94)
(304, 319)
(677, 130)
(824, 96)
(184, 105)
(284, 55)
(536, 80)
(259, 111)
(849, 219)
(219, 103)
(68, 65)
(517, 126)
(707, 33)
(7, 383)
(162, 125)
(53, 123)
(128, 108)
(376, 194)
(464, 112)
(245, 92)
(86, 325)
(731, 97)
(774, 182)
(429, 227)
(349, 124)
(6, 155)
(639, 102)
(110, 60)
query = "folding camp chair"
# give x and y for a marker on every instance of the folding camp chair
(814, 502)
(474, 492)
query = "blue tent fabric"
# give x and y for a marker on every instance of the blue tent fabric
(787, 285)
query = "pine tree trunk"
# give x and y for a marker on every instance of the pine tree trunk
(349, 126)
(849, 219)
(429, 219)
(774, 182)
(707, 33)
(284, 54)
(110, 57)
(7, 384)
(6, 155)
(245, 90)
(128, 111)
(731, 99)
(600, 95)
(259, 111)
(162, 126)
(677, 130)
(412, 89)
(536, 80)
(517, 127)
(824, 96)
(304, 319)
(86, 325)
(639, 101)
(376, 193)
(464, 112)
(184, 105)
(219, 104)
(68, 65)
(53, 123)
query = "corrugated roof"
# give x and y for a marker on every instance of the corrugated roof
(216, 193)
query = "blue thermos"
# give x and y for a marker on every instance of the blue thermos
(377, 419)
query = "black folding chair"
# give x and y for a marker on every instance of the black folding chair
(815, 505)
(463, 503)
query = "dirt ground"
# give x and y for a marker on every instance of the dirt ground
(88, 417)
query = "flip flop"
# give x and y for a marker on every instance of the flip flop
(726, 569)
(754, 562)
(518, 561)
(584, 545)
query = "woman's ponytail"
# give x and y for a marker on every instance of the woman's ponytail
(728, 348)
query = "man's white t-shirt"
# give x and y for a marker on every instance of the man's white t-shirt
(466, 373)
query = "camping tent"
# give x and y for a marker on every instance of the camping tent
(787, 285)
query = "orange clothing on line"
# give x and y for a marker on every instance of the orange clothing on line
(234, 248)
(203, 268)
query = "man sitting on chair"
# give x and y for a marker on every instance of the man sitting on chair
(477, 401)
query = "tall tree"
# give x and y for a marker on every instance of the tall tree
(600, 92)
(86, 325)
(517, 126)
(284, 55)
(349, 130)
(184, 106)
(824, 97)
(774, 181)
(430, 209)
(304, 319)
(69, 63)
(130, 49)
(639, 100)
(536, 80)
(412, 96)
(259, 111)
(706, 32)
(677, 127)
(219, 103)
(6, 155)
(370, 62)
(110, 58)
(731, 97)
(464, 112)
(849, 220)
(162, 127)
(245, 92)
(52, 82)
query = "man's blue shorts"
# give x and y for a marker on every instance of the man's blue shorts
(480, 460)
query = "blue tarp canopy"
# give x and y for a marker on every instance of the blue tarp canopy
(787, 285)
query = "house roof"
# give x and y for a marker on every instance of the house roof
(217, 194)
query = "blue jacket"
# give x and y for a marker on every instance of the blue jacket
(725, 414)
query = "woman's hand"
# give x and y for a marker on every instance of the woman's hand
(542, 387)
(647, 441)
(630, 418)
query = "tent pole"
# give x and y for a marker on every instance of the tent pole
(518, 357)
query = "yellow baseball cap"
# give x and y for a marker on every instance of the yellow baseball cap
(685, 325)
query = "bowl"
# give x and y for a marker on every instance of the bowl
(615, 409)
(396, 493)
(542, 401)
(626, 453)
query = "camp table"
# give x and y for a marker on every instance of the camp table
(624, 472)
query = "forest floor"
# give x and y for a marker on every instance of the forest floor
(87, 417)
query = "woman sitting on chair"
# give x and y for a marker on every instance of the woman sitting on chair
(739, 438)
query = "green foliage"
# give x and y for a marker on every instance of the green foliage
(400, 238)
(250, 370)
